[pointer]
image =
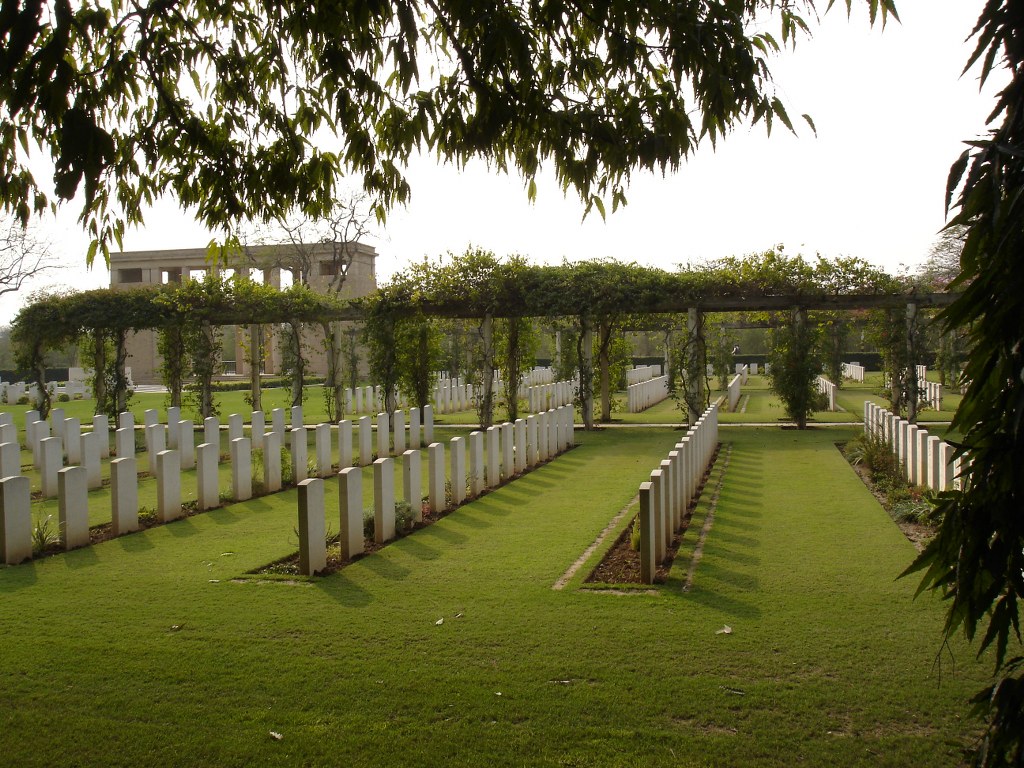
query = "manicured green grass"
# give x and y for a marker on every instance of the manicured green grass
(143, 650)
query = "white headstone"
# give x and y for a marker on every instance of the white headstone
(299, 450)
(345, 444)
(428, 424)
(532, 452)
(72, 436)
(10, 459)
(168, 486)
(322, 449)
(15, 519)
(272, 462)
(350, 503)
(257, 428)
(156, 441)
(383, 500)
(73, 507)
(173, 432)
(51, 461)
(297, 422)
(211, 430)
(365, 441)
(207, 481)
(241, 469)
(124, 495)
(458, 445)
(90, 450)
(126, 420)
(412, 482)
(187, 444)
(235, 427)
(101, 427)
(277, 421)
(414, 428)
(124, 443)
(398, 427)
(436, 478)
(383, 436)
(312, 534)
(507, 455)
(476, 463)
(493, 457)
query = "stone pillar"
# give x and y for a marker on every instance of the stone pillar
(124, 495)
(365, 441)
(73, 507)
(207, 490)
(322, 449)
(272, 461)
(428, 424)
(493, 457)
(16, 519)
(51, 461)
(90, 452)
(383, 435)
(187, 444)
(458, 445)
(241, 469)
(312, 533)
(383, 500)
(414, 428)
(101, 428)
(300, 468)
(435, 475)
(412, 483)
(399, 430)
(168, 486)
(476, 463)
(646, 519)
(350, 505)
(345, 444)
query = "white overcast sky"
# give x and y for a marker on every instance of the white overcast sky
(891, 111)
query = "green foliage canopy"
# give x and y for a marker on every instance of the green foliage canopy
(228, 106)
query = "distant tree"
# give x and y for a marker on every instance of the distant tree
(795, 365)
(23, 256)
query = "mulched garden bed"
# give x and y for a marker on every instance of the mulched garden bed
(621, 565)
(916, 533)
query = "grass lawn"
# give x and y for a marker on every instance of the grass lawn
(145, 650)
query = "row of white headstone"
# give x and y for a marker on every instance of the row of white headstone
(854, 371)
(743, 371)
(641, 396)
(511, 450)
(828, 389)
(931, 393)
(642, 373)
(71, 484)
(666, 497)
(453, 395)
(734, 392)
(544, 397)
(926, 459)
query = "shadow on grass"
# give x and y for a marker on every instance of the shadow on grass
(386, 568)
(708, 598)
(182, 528)
(340, 589)
(443, 533)
(83, 557)
(417, 548)
(18, 577)
(135, 542)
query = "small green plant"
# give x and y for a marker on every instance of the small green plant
(63, 398)
(368, 524)
(43, 535)
(287, 470)
(147, 516)
(404, 518)
(23, 400)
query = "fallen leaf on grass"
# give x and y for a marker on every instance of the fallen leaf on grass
(726, 630)
(458, 616)
(176, 627)
(439, 622)
(276, 736)
(734, 691)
